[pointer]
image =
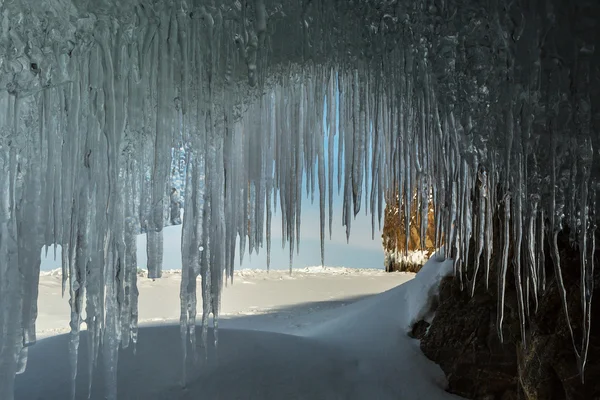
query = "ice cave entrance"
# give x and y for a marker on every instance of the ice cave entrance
(489, 111)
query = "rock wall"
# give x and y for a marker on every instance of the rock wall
(463, 340)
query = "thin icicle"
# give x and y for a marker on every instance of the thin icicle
(331, 132)
(518, 251)
(504, 264)
(532, 262)
(481, 220)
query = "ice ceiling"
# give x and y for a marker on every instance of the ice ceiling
(490, 107)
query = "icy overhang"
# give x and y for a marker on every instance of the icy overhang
(492, 110)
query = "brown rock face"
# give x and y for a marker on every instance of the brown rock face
(394, 236)
(463, 340)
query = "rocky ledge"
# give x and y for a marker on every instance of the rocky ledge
(463, 340)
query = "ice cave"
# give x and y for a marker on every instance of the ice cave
(121, 117)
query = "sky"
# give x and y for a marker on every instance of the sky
(361, 251)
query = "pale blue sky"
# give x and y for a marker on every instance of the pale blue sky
(360, 252)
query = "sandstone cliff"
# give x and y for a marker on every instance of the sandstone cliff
(394, 237)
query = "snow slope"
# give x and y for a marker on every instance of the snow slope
(356, 351)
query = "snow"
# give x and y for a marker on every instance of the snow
(254, 292)
(322, 333)
(413, 257)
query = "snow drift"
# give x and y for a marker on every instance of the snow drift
(357, 351)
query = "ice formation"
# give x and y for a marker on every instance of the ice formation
(489, 107)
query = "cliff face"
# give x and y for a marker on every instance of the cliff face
(399, 257)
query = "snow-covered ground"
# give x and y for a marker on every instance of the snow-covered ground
(322, 333)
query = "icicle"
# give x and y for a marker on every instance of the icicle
(408, 188)
(557, 209)
(587, 232)
(298, 167)
(466, 225)
(504, 264)
(12, 354)
(190, 254)
(481, 221)
(517, 222)
(270, 189)
(591, 267)
(331, 132)
(541, 257)
(531, 251)
(375, 167)
(322, 183)
(452, 222)
(402, 167)
(489, 215)
(341, 128)
(349, 159)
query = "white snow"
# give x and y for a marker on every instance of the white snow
(411, 257)
(322, 333)
(254, 292)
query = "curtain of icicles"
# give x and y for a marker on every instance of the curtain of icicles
(103, 103)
